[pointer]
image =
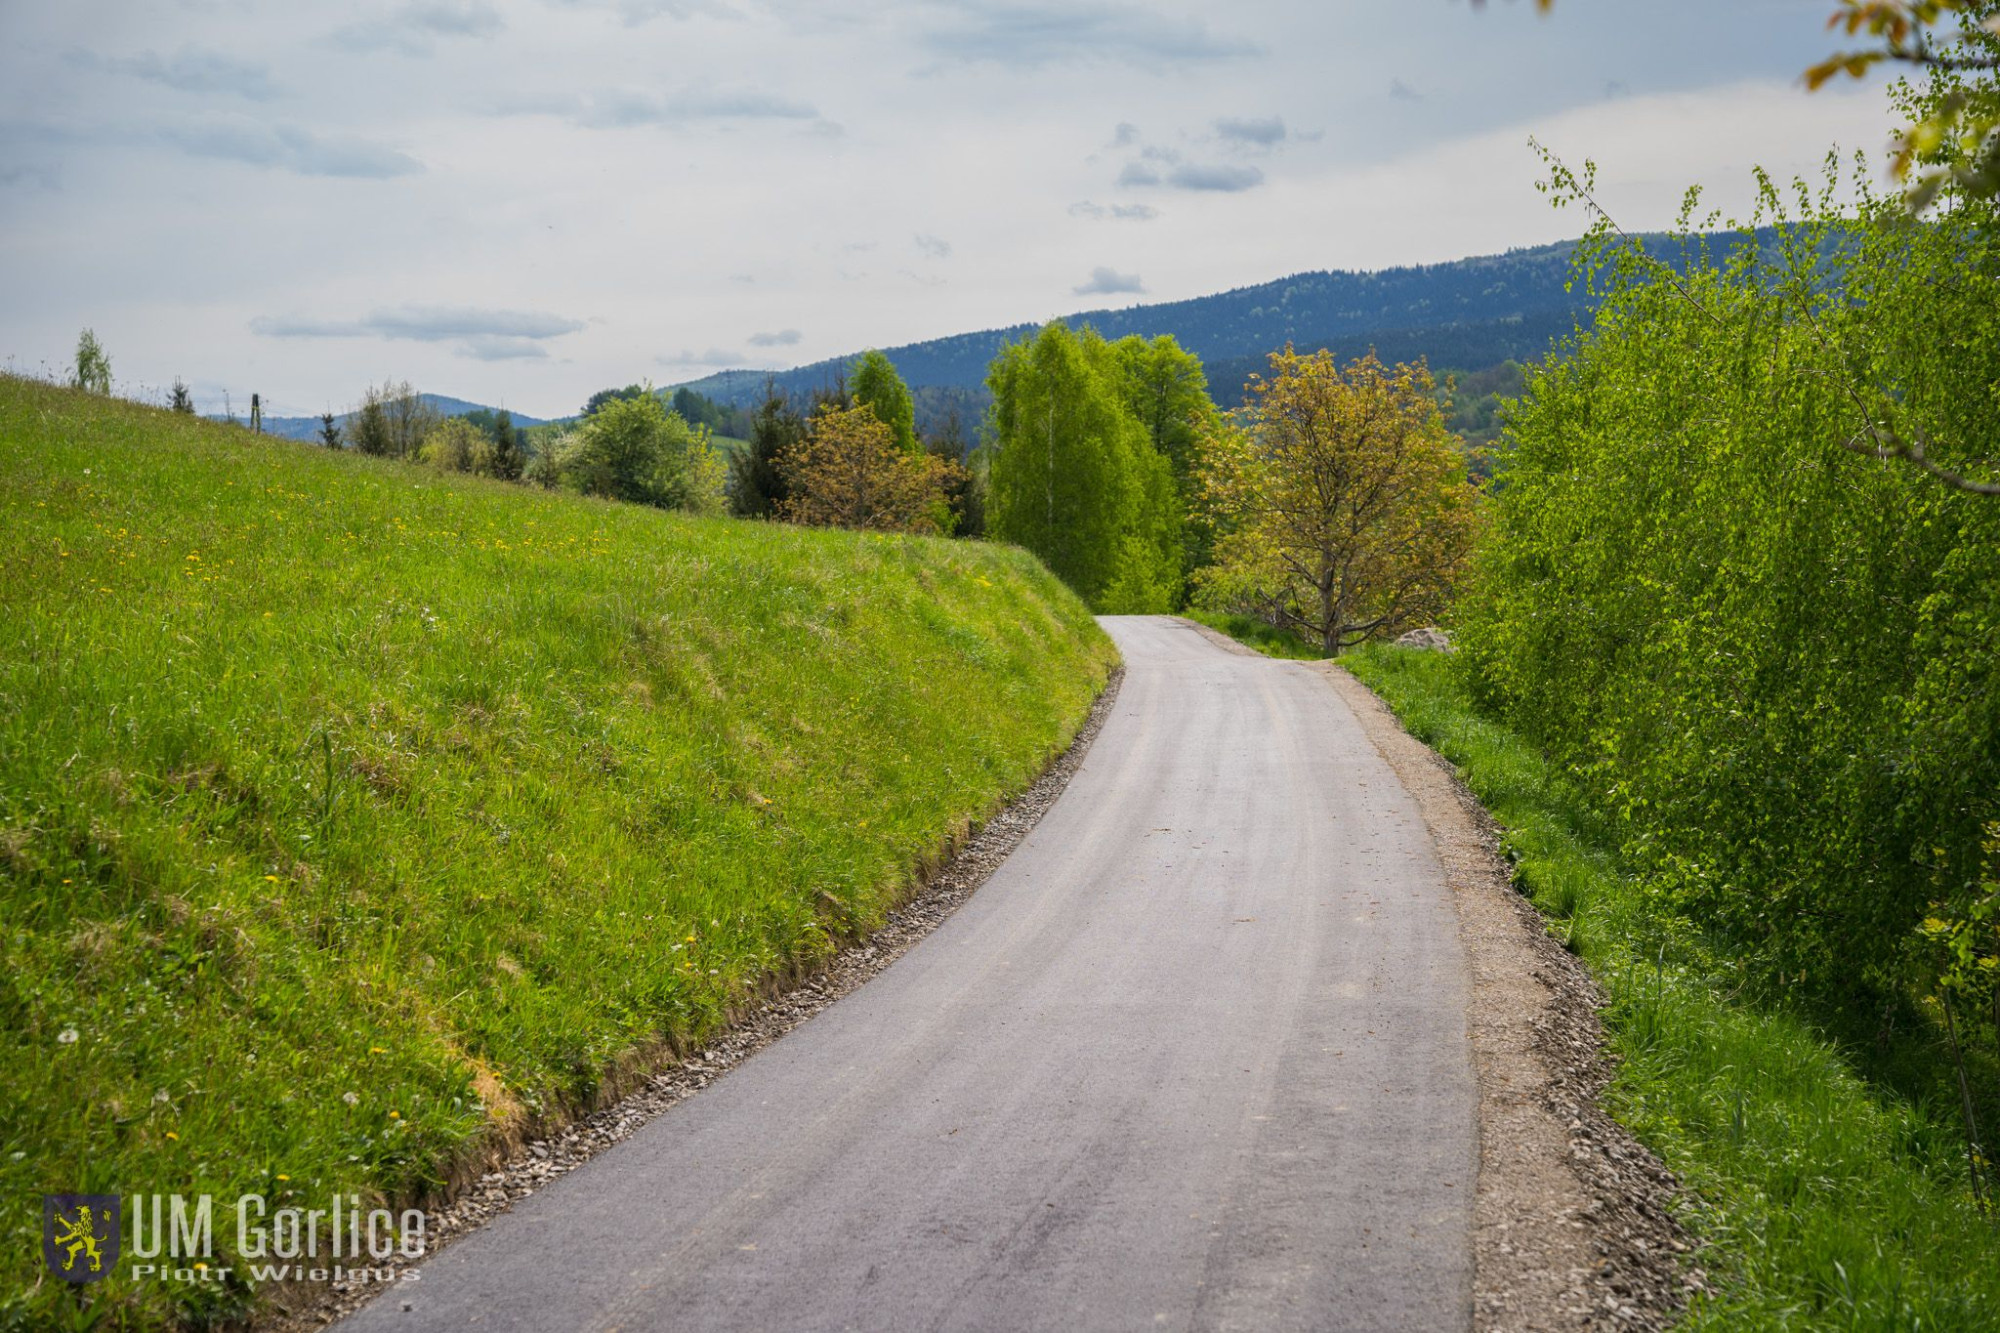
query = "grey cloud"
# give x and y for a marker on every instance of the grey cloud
(1153, 152)
(782, 338)
(1263, 131)
(1403, 92)
(1118, 212)
(189, 71)
(636, 12)
(410, 30)
(1029, 35)
(485, 347)
(1138, 173)
(619, 108)
(289, 148)
(934, 246)
(449, 20)
(1226, 179)
(1126, 135)
(485, 335)
(715, 358)
(1109, 281)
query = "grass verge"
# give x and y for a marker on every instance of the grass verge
(353, 816)
(1823, 1202)
(1266, 639)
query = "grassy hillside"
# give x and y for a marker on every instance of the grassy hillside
(349, 813)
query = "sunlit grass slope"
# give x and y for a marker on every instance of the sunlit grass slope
(346, 810)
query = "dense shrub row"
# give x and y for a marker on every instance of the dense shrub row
(1770, 651)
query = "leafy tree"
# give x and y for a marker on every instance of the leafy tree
(1073, 476)
(402, 420)
(92, 372)
(606, 396)
(757, 486)
(850, 472)
(1166, 389)
(1345, 512)
(1952, 142)
(1164, 386)
(1772, 654)
(634, 449)
(329, 430)
(182, 400)
(372, 435)
(878, 387)
(507, 457)
(455, 446)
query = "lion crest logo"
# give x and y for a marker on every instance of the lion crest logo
(80, 1235)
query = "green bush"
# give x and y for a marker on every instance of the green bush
(1771, 657)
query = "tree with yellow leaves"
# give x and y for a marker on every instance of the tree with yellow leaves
(1340, 501)
(850, 472)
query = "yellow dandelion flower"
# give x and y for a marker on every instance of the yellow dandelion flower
(175, 1137)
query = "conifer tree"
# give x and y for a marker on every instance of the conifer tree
(507, 457)
(182, 400)
(757, 485)
(329, 430)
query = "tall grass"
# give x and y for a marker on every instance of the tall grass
(1826, 1202)
(350, 814)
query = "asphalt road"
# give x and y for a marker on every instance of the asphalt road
(1194, 1057)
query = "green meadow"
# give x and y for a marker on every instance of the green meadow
(352, 816)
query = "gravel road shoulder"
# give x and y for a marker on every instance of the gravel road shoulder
(1571, 1228)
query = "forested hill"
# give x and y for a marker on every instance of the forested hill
(1467, 314)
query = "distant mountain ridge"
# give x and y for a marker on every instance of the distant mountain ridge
(307, 428)
(1467, 314)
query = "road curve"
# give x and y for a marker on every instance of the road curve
(1194, 1057)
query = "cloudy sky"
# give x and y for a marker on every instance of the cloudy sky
(521, 201)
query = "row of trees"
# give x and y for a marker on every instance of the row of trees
(1335, 505)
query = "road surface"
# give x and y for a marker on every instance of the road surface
(1194, 1058)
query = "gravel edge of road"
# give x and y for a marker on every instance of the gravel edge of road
(539, 1161)
(1572, 1227)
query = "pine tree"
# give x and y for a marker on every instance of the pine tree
(183, 400)
(507, 458)
(757, 486)
(329, 431)
(371, 426)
